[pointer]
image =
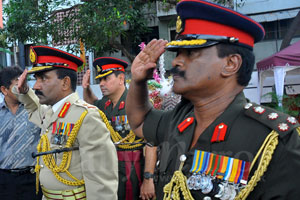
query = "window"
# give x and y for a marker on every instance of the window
(278, 29)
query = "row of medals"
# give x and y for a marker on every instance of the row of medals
(120, 126)
(205, 183)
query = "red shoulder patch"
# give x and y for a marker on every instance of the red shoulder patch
(64, 110)
(122, 105)
(107, 103)
(186, 123)
(219, 133)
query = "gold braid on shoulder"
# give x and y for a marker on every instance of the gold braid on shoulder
(49, 159)
(178, 181)
(117, 138)
(266, 151)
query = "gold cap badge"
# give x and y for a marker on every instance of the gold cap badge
(178, 25)
(98, 69)
(32, 56)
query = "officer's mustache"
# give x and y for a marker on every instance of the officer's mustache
(37, 92)
(175, 71)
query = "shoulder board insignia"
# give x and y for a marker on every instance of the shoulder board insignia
(107, 103)
(283, 127)
(292, 120)
(273, 116)
(219, 133)
(275, 120)
(64, 110)
(122, 105)
(88, 105)
(186, 123)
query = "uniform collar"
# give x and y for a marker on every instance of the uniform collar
(58, 104)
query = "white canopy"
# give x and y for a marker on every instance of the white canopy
(286, 61)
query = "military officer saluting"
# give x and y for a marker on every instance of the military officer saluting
(214, 145)
(67, 123)
(111, 73)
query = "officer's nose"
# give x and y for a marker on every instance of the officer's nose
(178, 60)
(37, 85)
(102, 82)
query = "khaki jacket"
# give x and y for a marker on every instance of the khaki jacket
(95, 161)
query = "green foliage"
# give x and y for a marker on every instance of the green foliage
(290, 104)
(3, 42)
(98, 23)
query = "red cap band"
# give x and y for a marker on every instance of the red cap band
(195, 26)
(54, 59)
(113, 67)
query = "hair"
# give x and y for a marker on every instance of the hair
(117, 73)
(63, 72)
(248, 59)
(8, 74)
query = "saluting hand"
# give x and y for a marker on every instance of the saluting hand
(86, 79)
(22, 83)
(144, 63)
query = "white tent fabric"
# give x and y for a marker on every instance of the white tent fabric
(279, 73)
(279, 65)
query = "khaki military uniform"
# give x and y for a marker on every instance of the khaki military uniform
(95, 162)
(248, 126)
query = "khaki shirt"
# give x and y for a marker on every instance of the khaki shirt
(95, 161)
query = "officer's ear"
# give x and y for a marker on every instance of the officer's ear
(66, 84)
(233, 64)
(122, 78)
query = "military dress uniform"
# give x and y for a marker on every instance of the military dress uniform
(244, 127)
(249, 151)
(129, 147)
(87, 173)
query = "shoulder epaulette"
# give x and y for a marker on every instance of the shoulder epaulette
(84, 104)
(276, 120)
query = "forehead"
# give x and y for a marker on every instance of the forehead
(45, 73)
(209, 49)
(109, 76)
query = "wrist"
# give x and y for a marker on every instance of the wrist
(148, 175)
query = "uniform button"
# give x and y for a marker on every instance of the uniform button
(207, 198)
(247, 106)
(182, 158)
(157, 163)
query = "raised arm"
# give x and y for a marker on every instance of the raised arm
(31, 102)
(22, 83)
(88, 94)
(137, 103)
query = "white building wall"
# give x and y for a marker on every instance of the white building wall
(251, 7)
